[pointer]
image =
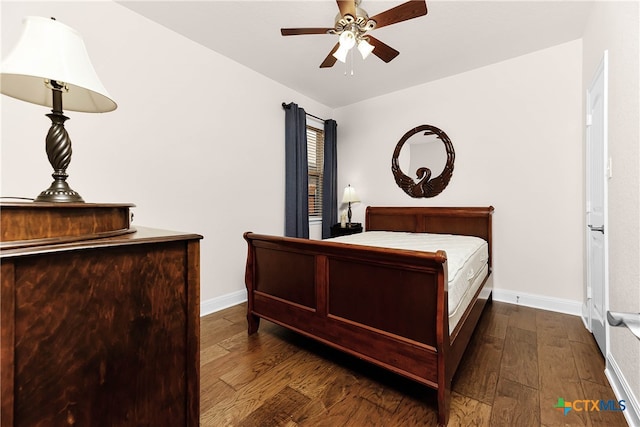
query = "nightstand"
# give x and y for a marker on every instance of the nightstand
(337, 230)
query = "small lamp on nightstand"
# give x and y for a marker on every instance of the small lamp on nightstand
(349, 197)
(49, 63)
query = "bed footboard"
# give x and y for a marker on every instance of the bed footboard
(386, 306)
(382, 305)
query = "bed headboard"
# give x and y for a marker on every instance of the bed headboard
(467, 221)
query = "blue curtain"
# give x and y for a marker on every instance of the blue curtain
(330, 178)
(296, 196)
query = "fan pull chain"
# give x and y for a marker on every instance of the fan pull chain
(351, 60)
(347, 63)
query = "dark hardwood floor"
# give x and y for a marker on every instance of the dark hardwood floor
(518, 364)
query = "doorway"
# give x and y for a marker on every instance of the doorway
(597, 172)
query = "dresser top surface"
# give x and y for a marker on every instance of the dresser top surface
(49, 205)
(135, 236)
(28, 228)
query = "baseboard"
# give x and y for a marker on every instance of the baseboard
(622, 391)
(538, 301)
(520, 298)
(220, 303)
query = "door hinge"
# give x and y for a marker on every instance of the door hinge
(589, 120)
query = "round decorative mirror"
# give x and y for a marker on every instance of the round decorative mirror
(423, 155)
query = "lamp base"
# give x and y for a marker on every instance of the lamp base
(58, 145)
(59, 192)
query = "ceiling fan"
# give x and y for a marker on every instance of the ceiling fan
(353, 25)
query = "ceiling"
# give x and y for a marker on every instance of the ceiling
(455, 36)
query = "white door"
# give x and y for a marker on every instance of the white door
(597, 172)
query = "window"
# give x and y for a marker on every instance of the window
(315, 158)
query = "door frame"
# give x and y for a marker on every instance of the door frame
(602, 69)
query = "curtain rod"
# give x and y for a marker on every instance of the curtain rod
(285, 105)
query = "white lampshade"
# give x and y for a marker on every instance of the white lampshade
(341, 54)
(350, 195)
(347, 41)
(49, 50)
(365, 48)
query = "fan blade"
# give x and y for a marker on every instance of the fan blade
(382, 50)
(302, 31)
(330, 59)
(409, 10)
(347, 7)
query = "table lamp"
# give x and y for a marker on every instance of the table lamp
(49, 63)
(349, 197)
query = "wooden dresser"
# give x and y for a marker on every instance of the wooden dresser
(99, 321)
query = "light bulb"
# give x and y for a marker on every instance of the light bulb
(347, 39)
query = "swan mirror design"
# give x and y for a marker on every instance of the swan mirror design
(428, 155)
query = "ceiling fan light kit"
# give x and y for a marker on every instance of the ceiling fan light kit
(352, 25)
(347, 40)
(365, 48)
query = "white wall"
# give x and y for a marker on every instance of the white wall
(196, 142)
(516, 130)
(614, 26)
(181, 145)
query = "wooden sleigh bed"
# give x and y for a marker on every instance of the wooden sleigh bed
(386, 306)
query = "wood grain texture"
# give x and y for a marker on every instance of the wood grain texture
(589, 368)
(520, 357)
(602, 418)
(28, 221)
(523, 318)
(191, 259)
(7, 342)
(478, 374)
(277, 409)
(106, 333)
(310, 384)
(515, 404)
(125, 305)
(469, 412)
(495, 324)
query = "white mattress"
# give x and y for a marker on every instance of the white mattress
(467, 258)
